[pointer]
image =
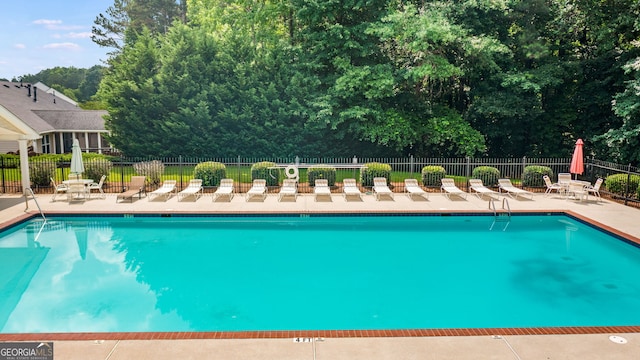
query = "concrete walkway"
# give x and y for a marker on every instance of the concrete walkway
(495, 346)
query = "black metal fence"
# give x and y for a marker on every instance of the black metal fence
(181, 169)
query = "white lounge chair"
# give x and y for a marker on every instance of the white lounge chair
(476, 186)
(380, 188)
(411, 187)
(506, 186)
(449, 188)
(168, 187)
(350, 188)
(258, 188)
(559, 188)
(97, 186)
(225, 189)
(289, 188)
(321, 188)
(194, 188)
(595, 189)
(58, 188)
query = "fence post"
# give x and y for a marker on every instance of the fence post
(122, 173)
(180, 169)
(524, 165)
(626, 192)
(4, 189)
(467, 171)
(411, 165)
(354, 161)
(239, 175)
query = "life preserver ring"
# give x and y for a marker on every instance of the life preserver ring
(292, 172)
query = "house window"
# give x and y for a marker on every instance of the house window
(67, 140)
(46, 144)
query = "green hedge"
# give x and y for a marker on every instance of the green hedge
(210, 172)
(432, 175)
(374, 170)
(488, 174)
(266, 170)
(321, 172)
(617, 184)
(41, 173)
(533, 175)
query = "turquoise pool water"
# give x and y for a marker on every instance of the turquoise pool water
(113, 274)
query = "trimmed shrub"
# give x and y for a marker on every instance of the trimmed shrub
(532, 175)
(41, 172)
(153, 170)
(432, 175)
(321, 172)
(210, 172)
(265, 170)
(488, 174)
(617, 184)
(96, 167)
(9, 161)
(374, 170)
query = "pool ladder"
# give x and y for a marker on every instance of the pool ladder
(503, 216)
(28, 191)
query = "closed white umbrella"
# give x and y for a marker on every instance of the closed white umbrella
(77, 167)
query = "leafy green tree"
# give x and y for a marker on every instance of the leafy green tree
(128, 90)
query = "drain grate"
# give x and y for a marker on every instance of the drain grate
(618, 339)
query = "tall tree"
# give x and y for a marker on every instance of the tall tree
(133, 15)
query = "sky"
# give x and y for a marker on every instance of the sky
(43, 34)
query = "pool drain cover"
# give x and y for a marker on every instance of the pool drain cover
(618, 339)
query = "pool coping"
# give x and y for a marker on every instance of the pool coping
(561, 330)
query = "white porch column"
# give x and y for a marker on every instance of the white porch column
(61, 143)
(99, 143)
(86, 141)
(24, 164)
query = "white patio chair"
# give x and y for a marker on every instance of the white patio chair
(380, 188)
(559, 188)
(321, 188)
(258, 188)
(506, 186)
(411, 187)
(225, 189)
(480, 190)
(449, 188)
(350, 188)
(289, 188)
(194, 188)
(595, 189)
(58, 188)
(168, 187)
(97, 186)
(77, 190)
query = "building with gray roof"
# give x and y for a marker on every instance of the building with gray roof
(55, 119)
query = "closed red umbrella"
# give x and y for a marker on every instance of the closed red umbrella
(577, 162)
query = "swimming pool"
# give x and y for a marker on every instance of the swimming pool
(247, 273)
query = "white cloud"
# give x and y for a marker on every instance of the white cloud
(66, 45)
(56, 25)
(46, 22)
(80, 35)
(20, 46)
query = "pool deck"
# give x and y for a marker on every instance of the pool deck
(494, 344)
